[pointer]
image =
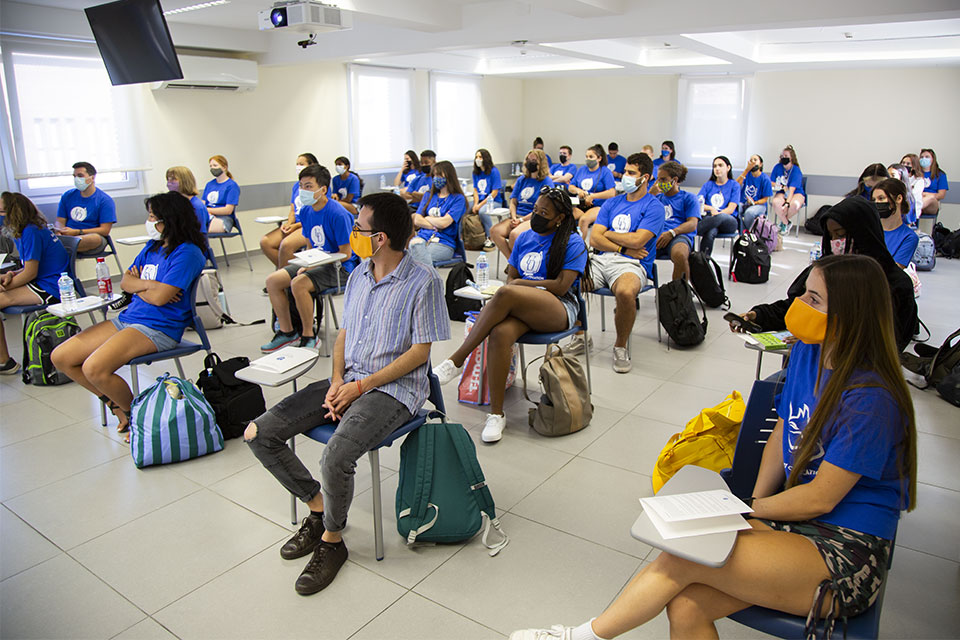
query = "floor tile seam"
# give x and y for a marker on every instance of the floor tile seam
(141, 621)
(615, 466)
(930, 484)
(105, 583)
(42, 486)
(45, 433)
(378, 614)
(443, 606)
(590, 540)
(955, 561)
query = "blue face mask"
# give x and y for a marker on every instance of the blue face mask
(665, 153)
(630, 183)
(926, 162)
(81, 183)
(306, 198)
(439, 182)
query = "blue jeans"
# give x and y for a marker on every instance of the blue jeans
(751, 213)
(429, 252)
(710, 226)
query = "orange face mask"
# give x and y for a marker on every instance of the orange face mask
(806, 323)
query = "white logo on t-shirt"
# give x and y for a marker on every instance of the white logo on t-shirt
(317, 237)
(78, 213)
(149, 272)
(621, 223)
(781, 183)
(343, 192)
(410, 177)
(530, 263)
(716, 200)
(926, 182)
(525, 194)
(668, 211)
(434, 212)
(424, 189)
(213, 197)
(558, 173)
(795, 426)
(751, 191)
(482, 185)
(587, 184)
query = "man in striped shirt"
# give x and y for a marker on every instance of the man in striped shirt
(394, 309)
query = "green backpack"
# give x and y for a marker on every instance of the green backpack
(42, 333)
(442, 495)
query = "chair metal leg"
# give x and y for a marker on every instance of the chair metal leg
(586, 357)
(523, 368)
(103, 414)
(656, 302)
(327, 351)
(245, 252)
(223, 248)
(180, 369)
(333, 315)
(134, 381)
(117, 258)
(293, 499)
(603, 315)
(377, 507)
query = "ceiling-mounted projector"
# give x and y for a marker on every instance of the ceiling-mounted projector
(307, 17)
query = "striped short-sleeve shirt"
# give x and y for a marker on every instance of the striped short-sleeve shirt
(384, 319)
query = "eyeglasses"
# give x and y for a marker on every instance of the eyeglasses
(356, 227)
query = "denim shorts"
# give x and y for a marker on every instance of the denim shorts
(160, 340)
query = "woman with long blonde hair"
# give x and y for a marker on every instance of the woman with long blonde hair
(222, 195)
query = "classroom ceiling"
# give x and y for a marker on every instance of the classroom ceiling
(543, 37)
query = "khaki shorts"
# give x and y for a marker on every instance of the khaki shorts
(605, 268)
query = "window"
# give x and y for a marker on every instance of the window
(63, 109)
(381, 116)
(713, 119)
(455, 116)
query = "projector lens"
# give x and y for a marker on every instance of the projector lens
(279, 17)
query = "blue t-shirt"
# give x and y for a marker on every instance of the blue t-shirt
(217, 194)
(294, 192)
(201, 210)
(407, 178)
(677, 208)
(901, 243)
(756, 187)
(179, 269)
(619, 163)
(485, 183)
(531, 250)
(526, 191)
(350, 185)
(558, 170)
(600, 179)
(328, 229)
(659, 161)
(932, 186)
(86, 213)
(863, 437)
(622, 216)
(432, 205)
(42, 245)
(718, 196)
(782, 180)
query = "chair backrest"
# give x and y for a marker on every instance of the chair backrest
(70, 243)
(436, 393)
(759, 420)
(582, 313)
(460, 251)
(197, 322)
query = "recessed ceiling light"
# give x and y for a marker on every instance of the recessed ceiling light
(194, 7)
(361, 59)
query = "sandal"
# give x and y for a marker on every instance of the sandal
(114, 407)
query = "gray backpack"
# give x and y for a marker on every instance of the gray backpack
(564, 406)
(925, 256)
(211, 300)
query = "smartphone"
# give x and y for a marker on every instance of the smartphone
(746, 325)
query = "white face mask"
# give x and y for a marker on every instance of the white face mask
(80, 183)
(299, 169)
(479, 163)
(151, 227)
(306, 198)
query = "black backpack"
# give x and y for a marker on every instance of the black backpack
(457, 307)
(42, 333)
(235, 402)
(813, 225)
(751, 260)
(934, 364)
(294, 316)
(947, 242)
(678, 315)
(949, 386)
(707, 280)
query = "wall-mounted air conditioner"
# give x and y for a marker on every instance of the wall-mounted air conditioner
(213, 74)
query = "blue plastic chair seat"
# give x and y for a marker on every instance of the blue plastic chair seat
(23, 309)
(459, 255)
(185, 348)
(324, 432)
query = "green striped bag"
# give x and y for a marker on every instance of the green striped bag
(171, 422)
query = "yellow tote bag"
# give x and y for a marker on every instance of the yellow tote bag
(706, 441)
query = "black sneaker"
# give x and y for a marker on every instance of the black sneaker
(124, 300)
(9, 367)
(322, 568)
(305, 540)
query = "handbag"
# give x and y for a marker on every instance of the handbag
(171, 422)
(564, 406)
(473, 377)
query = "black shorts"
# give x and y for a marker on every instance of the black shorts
(45, 298)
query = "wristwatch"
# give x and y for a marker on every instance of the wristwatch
(623, 251)
(672, 233)
(749, 501)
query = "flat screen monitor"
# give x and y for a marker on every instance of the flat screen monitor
(134, 41)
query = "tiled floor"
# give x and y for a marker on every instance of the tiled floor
(92, 547)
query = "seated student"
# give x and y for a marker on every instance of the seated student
(563, 171)
(719, 199)
(409, 170)
(540, 295)
(86, 211)
(851, 226)
(438, 217)
(869, 177)
(378, 382)
(914, 189)
(43, 257)
(755, 190)
(272, 243)
(682, 212)
(935, 184)
(222, 195)
(413, 192)
(625, 238)
(788, 195)
(159, 281)
(327, 226)
(668, 153)
(487, 191)
(346, 186)
(538, 144)
(647, 149)
(593, 184)
(615, 161)
(180, 180)
(845, 450)
(526, 190)
(890, 199)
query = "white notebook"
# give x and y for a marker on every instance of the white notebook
(698, 513)
(284, 360)
(312, 256)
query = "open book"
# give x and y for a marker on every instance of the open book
(771, 340)
(698, 513)
(284, 359)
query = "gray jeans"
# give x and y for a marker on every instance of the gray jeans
(371, 418)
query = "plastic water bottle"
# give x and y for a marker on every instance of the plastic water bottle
(815, 251)
(68, 296)
(383, 182)
(483, 272)
(104, 283)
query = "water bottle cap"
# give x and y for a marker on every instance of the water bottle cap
(100, 259)
(64, 274)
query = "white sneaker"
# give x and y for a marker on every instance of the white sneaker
(621, 360)
(575, 346)
(556, 632)
(447, 371)
(493, 428)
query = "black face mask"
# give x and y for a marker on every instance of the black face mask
(216, 172)
(532, 166)
(539, 224)
(563, 157)
(784, 161)
(884, 209)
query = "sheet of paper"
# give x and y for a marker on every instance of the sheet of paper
(699, 527)
(312, 256)
(284, 360)
(699, 504)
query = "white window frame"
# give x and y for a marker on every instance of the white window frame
(354, 72)
(435, 143)
(688, 147)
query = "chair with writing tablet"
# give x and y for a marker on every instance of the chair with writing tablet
(233, 233)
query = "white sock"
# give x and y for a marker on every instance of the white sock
(585, 632)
